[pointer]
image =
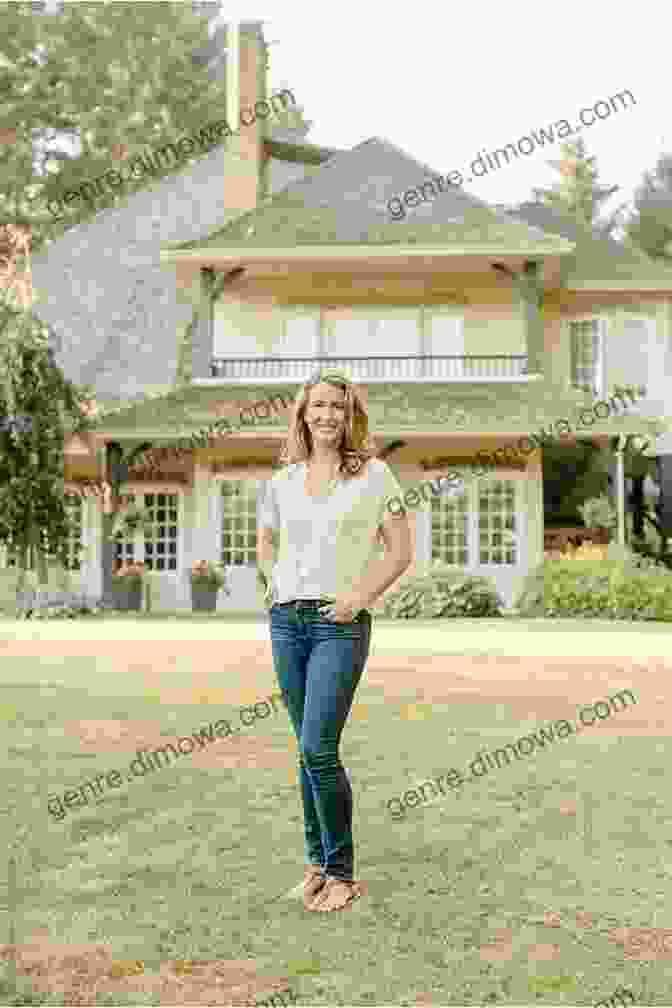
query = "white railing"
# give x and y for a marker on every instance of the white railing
(496, 367)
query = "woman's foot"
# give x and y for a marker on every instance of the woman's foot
(312, 883)
(335, 895)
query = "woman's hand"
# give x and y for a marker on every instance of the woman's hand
(343, 609)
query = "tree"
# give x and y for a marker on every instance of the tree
(578, 193)
(649, 226)
(32, 492)
(119, 86)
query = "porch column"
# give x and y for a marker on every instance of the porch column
(203, 538)
(620, 492)
(202, 328)
(531, 296)
(91, 578)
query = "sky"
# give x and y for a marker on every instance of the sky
(442, 82)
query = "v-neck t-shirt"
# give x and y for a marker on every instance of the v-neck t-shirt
(326, 542)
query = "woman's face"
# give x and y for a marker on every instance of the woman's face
(325, 414)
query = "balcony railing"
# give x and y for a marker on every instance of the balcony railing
(497, 367)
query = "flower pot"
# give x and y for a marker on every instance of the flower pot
(127, 597)
(203, 598)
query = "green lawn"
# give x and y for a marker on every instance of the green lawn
(189, 864)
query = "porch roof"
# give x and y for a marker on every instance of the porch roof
(393, 410)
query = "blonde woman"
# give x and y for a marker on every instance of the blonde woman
(326, 513)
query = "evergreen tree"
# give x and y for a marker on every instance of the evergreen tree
(578, 193)
(649, 226)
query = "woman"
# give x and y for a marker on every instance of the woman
(328, 508)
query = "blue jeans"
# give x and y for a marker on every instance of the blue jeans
(318, 664)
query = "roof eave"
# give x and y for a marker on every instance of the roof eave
(238, 253)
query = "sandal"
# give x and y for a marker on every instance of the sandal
(329, 889)
(312, 883)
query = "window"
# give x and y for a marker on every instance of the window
(70, 555)
(239, 523)
(235, 325)
(478, 527)
(371, 332)
(497, 522)
(444, 337)
(299, 333)
(157, 547)
(586, 354)
(450, 529)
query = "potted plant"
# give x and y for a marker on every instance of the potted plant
(127, 581)
(599, 516)
(206, 581)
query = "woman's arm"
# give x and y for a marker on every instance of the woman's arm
(396, 534)
(383, 572)
(265, 552)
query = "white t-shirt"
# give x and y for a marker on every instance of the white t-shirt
(326, 543)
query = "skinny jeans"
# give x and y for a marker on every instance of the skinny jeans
(318, 664)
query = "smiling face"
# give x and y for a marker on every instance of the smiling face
(325, 414)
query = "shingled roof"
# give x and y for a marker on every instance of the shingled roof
(110, 303)
(598, 262)
(344, 202)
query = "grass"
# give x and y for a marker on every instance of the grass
(190, 863)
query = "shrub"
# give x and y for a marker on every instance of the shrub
(598, 512)
(443, 592)
(598, 581)
(62, 611)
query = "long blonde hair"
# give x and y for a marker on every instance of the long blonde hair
(355, 448)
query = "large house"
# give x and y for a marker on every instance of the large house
(468, 327)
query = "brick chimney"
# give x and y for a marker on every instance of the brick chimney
(246, 87)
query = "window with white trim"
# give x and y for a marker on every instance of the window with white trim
(239, 523)
(587, 350)
(450, 529)
(157, 546)
(477, 527)
(497, 542)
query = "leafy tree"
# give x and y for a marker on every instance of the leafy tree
(32, 493)
(649, 226)
(578, 193)
(120, 86)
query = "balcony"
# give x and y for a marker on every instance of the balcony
(270, 370)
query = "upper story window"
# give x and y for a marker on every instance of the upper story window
(587, 354)
(371, 332)
(246, 330)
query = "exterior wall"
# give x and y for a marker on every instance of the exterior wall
(647, 363)
(624, 363)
